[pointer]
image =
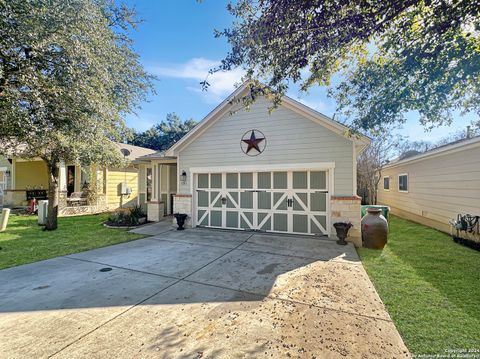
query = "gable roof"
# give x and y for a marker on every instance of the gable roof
(223, 108)
(135, 151)
(441, 150)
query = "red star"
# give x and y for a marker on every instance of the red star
(253, 142)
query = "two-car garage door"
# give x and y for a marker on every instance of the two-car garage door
(273, 201)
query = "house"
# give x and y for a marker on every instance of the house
(5, 170)
(292, 170)
(116, 187)
(433, 187)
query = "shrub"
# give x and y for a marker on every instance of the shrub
(127, 216)
(137, 212)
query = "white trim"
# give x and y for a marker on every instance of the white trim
(323, 120)
(225, 106)
(192, 134)
(354, 165)
(383, 184)
(408, 183)
(448, 149)
(290, 192)
(263, 168)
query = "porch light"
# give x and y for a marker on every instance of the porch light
(183, 177)
(7, 173)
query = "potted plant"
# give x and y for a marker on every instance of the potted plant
(342, 229)
(180, 217)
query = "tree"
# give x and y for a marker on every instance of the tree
(68, 74)
(163, 135)
(383, 147)
(393, 56)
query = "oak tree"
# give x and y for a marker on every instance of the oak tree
(68, 74)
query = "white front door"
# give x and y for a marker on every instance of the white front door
(272, 201)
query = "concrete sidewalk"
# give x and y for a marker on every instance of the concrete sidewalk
(198, 293)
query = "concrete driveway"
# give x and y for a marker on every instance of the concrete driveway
(197, 293)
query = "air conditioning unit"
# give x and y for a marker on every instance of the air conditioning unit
(42, 212)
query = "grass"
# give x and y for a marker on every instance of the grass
(430, 286)
(25, 242)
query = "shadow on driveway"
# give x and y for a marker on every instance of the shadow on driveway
(197, 293)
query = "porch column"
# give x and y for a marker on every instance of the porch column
(155, 206)
(62, 186)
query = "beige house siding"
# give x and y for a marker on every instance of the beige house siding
(291, 138)
(439, 187)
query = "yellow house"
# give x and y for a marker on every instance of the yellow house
(116, 187)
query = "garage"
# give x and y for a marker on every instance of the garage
(288, 169)
(271, 201)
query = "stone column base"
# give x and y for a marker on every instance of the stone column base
(347, 209)
(182, 203)
(155, 211)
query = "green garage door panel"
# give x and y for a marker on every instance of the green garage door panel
(277, 201)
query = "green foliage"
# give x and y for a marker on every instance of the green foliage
(127, 216)
(24, 241)
(68, 74)
(393, 56)
(161, 136)
(137, 212)
(429, 285)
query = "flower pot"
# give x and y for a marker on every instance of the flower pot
(180, 217)
(374, 229)
(342, 229)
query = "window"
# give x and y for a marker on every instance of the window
(386, 183)
(403, 182)
(149, 183)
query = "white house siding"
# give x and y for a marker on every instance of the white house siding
(439, 187)
(291, 139)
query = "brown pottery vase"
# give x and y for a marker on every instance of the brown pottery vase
(374, 229)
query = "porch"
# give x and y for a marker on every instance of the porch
(157, 185)
(29, 180)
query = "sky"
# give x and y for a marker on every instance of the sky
(176, 43)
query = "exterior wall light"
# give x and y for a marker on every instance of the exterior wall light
(183, 177)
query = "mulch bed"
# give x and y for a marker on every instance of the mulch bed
(467, 243)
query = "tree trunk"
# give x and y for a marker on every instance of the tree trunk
(53, 183)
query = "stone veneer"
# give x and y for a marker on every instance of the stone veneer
(182, 203)
(155, 211)
(347, 209)
(63, 210)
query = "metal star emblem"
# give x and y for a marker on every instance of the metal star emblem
(253, 142)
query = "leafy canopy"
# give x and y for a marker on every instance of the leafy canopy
(392, 56)
(68, 74)
(161, 136)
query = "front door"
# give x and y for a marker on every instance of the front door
(70, 180)
(273, 201)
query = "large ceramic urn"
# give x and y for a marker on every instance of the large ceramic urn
(374, 229)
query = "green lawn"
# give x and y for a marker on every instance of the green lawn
(25, 242)
(430, 286)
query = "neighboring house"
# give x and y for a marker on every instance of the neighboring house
(289, 171)
(29, 178)
(5, 171)
(435, 186)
